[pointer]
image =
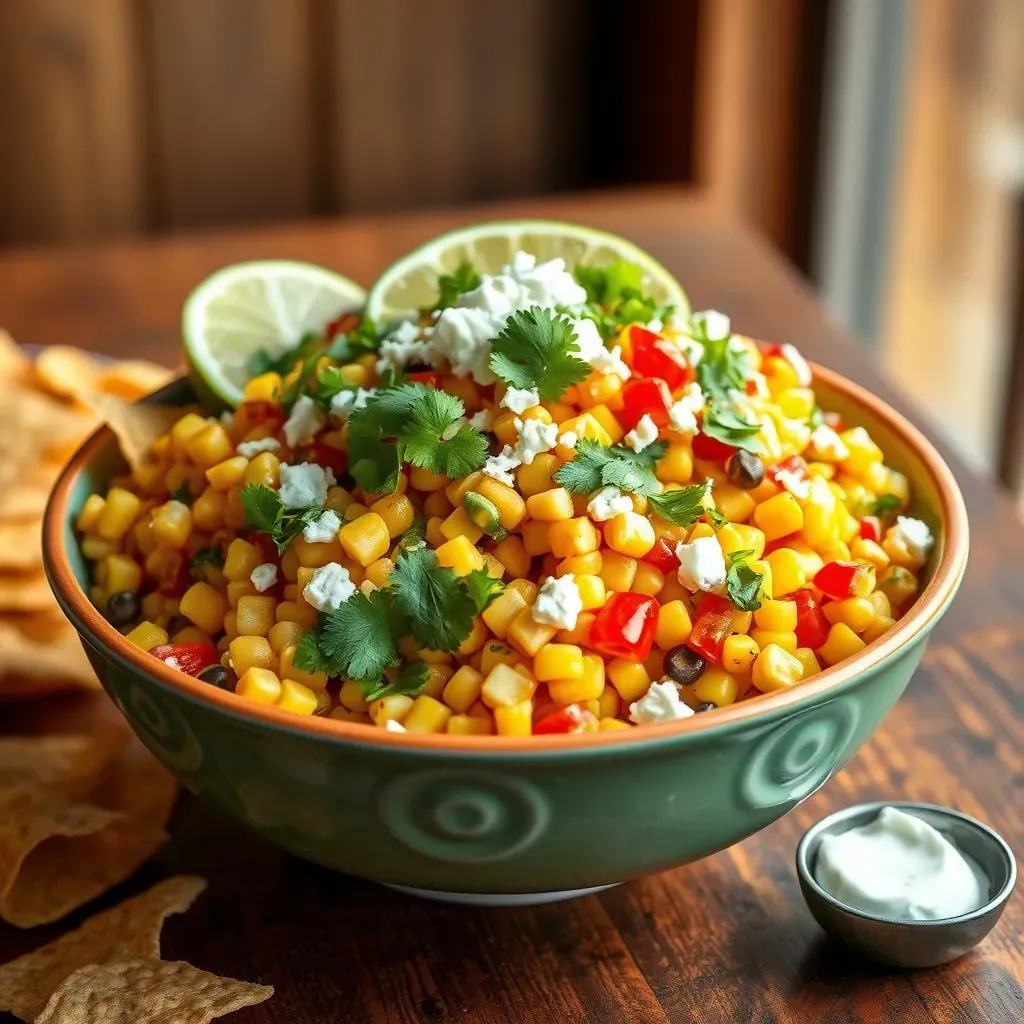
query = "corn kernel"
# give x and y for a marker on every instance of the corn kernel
(498, 615)
(460, 556)
(392, 708)
(717, 686)
(118, 513)
(739, 653)
(648, 580)
(808, 660)
(427, 715)
(459, 524)
(147, 635)
(516, 720)
(527, 635)
(463, 689)
(365, 539)
(780, 638)
(513, 555)
(204, 606)
(538, 476)
(558, 661)
(505, 686)
(618, 571)
(674, 625)
(284, 634)
(779, 516)
(629, 533)
(676, 465)
(297, 611)
(469, 725)
(630, 679)
(122, 573)
(260, 685)
(298, 699)
(587, 686)
(776, 615)
(551, 506)
(842, 643)
(510, 504)
(881, 624)
(775, 669)
(788, 572)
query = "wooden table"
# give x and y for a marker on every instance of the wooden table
(727, 939)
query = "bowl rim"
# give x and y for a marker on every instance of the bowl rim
(821, 828)
(930, 604)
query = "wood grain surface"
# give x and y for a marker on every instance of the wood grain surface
(726, 939)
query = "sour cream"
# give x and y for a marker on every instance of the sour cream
(899, 866)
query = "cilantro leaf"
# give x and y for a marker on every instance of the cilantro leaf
(683, 506)
(434, 601)
(595, 466)
(356, 638)
(183, 494)
(721, 423)
(482, 588)
(886, 504)
(817, 418)
(743, 583)
(438, 439)
(722, 368)
(412, 678)
(364, 338)
(308, 655)
(263, 361)
(615, 297)
(537, 349)
(265, 512)
(451, 286)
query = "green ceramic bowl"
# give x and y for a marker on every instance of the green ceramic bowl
(501, 820)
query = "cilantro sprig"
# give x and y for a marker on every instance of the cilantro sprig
(886, 504)
(537, 349)
(743, 582)
(615, 297)
(723, 424)
(685, 505)
(265, 512)
(451, 286)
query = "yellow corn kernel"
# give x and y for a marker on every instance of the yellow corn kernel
(510, 504)
(551, 506)
(208, 510)
(250, 652)
(856, 612)
(351, 696)
(779, 516)
(863, 451)
(460, 556)
(264, 388)
(426, 715)
(122, 573)
(629, 534)
(586, 425)
(599, 389)
(184, 430)
(589, 564)
(237, 589)
(297, 611)
(424, 480)
(572, 537)
(538, 476)
(716, 686)
(264, 469)
(734, 503)
(469, 725)
(536, 538)
(435, 538)
(674, 625)
(284, 634)
(527, 635)
(456, 490)
(498, 615)
(512, 554)
(609, 703)
(240, 559)
(558, 661)
(90, 514)
(618, 571)
(204, 606)
(459, 524)
(463, 689)
(648, 580)
(612, 725)
(899, 585)
(437, 677)
(842, 643)
(881, 624)
(864, 550)
(118, 512)
(397, 512)
(316, 681)
(630, 679)
(739, 653)
(338, 499)
(393, 708)
(254, 615)
(147, 635)
(780, 638)
(516, 720)
(775, 669)
(777, 615)
(525, 587)
(497, 654)
(676, 465)
(589, 685)
(172, 524)
(365, 539)
(259, 684)
(880, 603)
(505, 686)
(379, 572)
(209, 446)
(606, 418)
(796, 403)
(808, 660)
(297, 698)
(788, 572)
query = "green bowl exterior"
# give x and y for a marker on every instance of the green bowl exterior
(510, 822)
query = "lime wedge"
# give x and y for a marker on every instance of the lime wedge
(411, 282)
(265, 305)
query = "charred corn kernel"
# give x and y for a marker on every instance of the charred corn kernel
(208, 510)
(505, 686)
(297, 698)
(264, 388)
(808, 661)
(536, 538)
(592, 591)
(122, 573)
(397, 512)
(528, 636)
(510, 504)
(538, 475)
(469, 725)
(864, 550)
(779, 516)
(609, 703)
(775, 669)
(609, 423)
(589, 685)
(463, 689)
(580, 634)
(629, 534)
(734, 503)
(572, 537)
(512, 554)
(676, 465)
(350, 693)
(516, 720)
(674, 625)
(265, 470)
(209, 446)
(498, 615)
(780, 638)
(92, 509)
(203, 606)
(426, 715)
(648, 580)
(776, 615)
(284, 634)
(459, 524)
(437, 679)
(259, 684)
(365, 539)
(856, 612)
(618, 571)
(899, 585)
(313, 555)
(460, 556)
(497, 654)
(147, 635)
(118, 513)
(392, 708)
(255, 615)
(739, 653)
(297, 611)
(717, 686)
(581, 565)
(881, 624)
(842, 643)
(250, 652)
(558, 661)
(788, 572)
(630, 679)
(863, 451)
(599, 389)
(550, 506)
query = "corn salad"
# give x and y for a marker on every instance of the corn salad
(651, 521)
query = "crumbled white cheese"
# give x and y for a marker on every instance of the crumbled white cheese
(793, 356)
(655, 325)
(558, 602)
(329, 588)
(793, 481)
(661, 703)
(643, 434)
(264, 576)
(520, 399)
(250, 449)
(592, 350)
(323, 530)
(913, 535)
(569, 439)
(535, 437)
(702, 565)
(826, 445)
(401, 347)
(683, 414)
(714, 325)
(482, 420)
(392, 726)
(693, 350)
(349, 401)
(303, 423)
(607, 504)
(499, 467)
(304, 485)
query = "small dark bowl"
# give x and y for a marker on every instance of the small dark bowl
(910, 943)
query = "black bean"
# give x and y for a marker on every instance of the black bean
(744, 469)
(494, 446)
(122, 608)
(219, 676)
(417, 366)
(706, 706)
(683, 665)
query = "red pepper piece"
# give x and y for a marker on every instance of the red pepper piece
(325, 455)
(871, 528)
(188, 658)
(662, 556)
(791, 474)
(625, 627)
(432, 378)
(343, 324)
(840, 579)
(642, 397)
(714, 622)
(793, 356)
(573, 718)
(653, 356)
(711, 449)
(811, 624)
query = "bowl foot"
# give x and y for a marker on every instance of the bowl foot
(499, 899)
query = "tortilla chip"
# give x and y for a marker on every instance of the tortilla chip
(57, 760)
(24, 592)
(24, 501)
(44, 624)
(21, 545)
(128, 931)
(14, 364)
(157, 991)
(28, 665)
(66, 372)
(133, 378)
(135, 426)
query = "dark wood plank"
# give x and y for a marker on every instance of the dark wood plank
(725, 939)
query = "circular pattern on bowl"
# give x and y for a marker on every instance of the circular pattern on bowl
(163, 729)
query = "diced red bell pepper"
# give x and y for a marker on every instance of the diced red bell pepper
(662, 556)
(653, 356)
(841, 579)
(791, 474)
(793, 356)
(811, 624)
(574, 718)
(188, 658)
(432, 378)
(625, 627)
(870, 528)
(711, 449)
(325, 455)
(714, 622)
(642, 397)
(342, 324)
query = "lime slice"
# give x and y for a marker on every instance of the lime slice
(265, 305)
(411, 283)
